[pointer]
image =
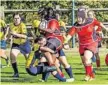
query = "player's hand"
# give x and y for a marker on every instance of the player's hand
(66, 47)
(13, 33)
(5, 38)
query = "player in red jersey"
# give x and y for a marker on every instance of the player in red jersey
(54, 39)
(88, 40)
(52, 33)
(99, 34)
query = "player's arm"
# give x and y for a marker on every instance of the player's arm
(19, 35)
(51, 29)
(6, 34)
(23, 33)
(103, 26)
(70, 34)
(46, 49)
(32, 33)
(97, 23)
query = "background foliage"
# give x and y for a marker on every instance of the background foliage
(66, 16)
(28, 17)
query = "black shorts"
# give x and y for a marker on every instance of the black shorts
(53, 44)
(24, 48)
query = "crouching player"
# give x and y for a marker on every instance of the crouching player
(34, 68)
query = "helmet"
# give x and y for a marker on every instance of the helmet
(82, 12)
(106, 60)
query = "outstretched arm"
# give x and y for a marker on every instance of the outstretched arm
(19, 35)
(103, 26)
(46, 49)
(71, 32)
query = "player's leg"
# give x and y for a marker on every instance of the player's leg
(25, 49)
(3, 51)
(13, 55)
(57, 64)
(97, 60)
(88, 65)
(64, 62)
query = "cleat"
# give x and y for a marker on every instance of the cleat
(91, 79)
(70, 80)
(41, 80)
(16, 75)
(87, 78)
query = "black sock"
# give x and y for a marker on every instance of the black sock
(69, 72)
(60, 67)
(45, 76)
(14, 65)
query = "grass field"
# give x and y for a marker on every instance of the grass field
(73, 59)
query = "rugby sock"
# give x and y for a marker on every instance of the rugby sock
(14, 65)
(98, 63)
(92, 75)
(60, 78)
(88, 70)
(69, 72)
(60, 67)
(61, 74)
(45, 76)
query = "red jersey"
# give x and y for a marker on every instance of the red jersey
(54, 24)
(86, 32)
(97, 31)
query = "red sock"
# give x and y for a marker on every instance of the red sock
(88, 70)
(92, 75)
(62, 75)
(98, 63)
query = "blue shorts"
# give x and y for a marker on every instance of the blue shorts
(93, 58)
(34, 70)
(24, 48)
(61, 53)
(3, 44)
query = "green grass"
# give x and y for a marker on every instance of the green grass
(73, 59)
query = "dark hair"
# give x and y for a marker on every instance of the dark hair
(49, 15)
(39, 38)
(42, 11)
(16, 13)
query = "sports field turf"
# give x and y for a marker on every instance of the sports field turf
(73, 59)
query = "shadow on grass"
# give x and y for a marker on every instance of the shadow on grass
(17, 80)
(11, 73)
